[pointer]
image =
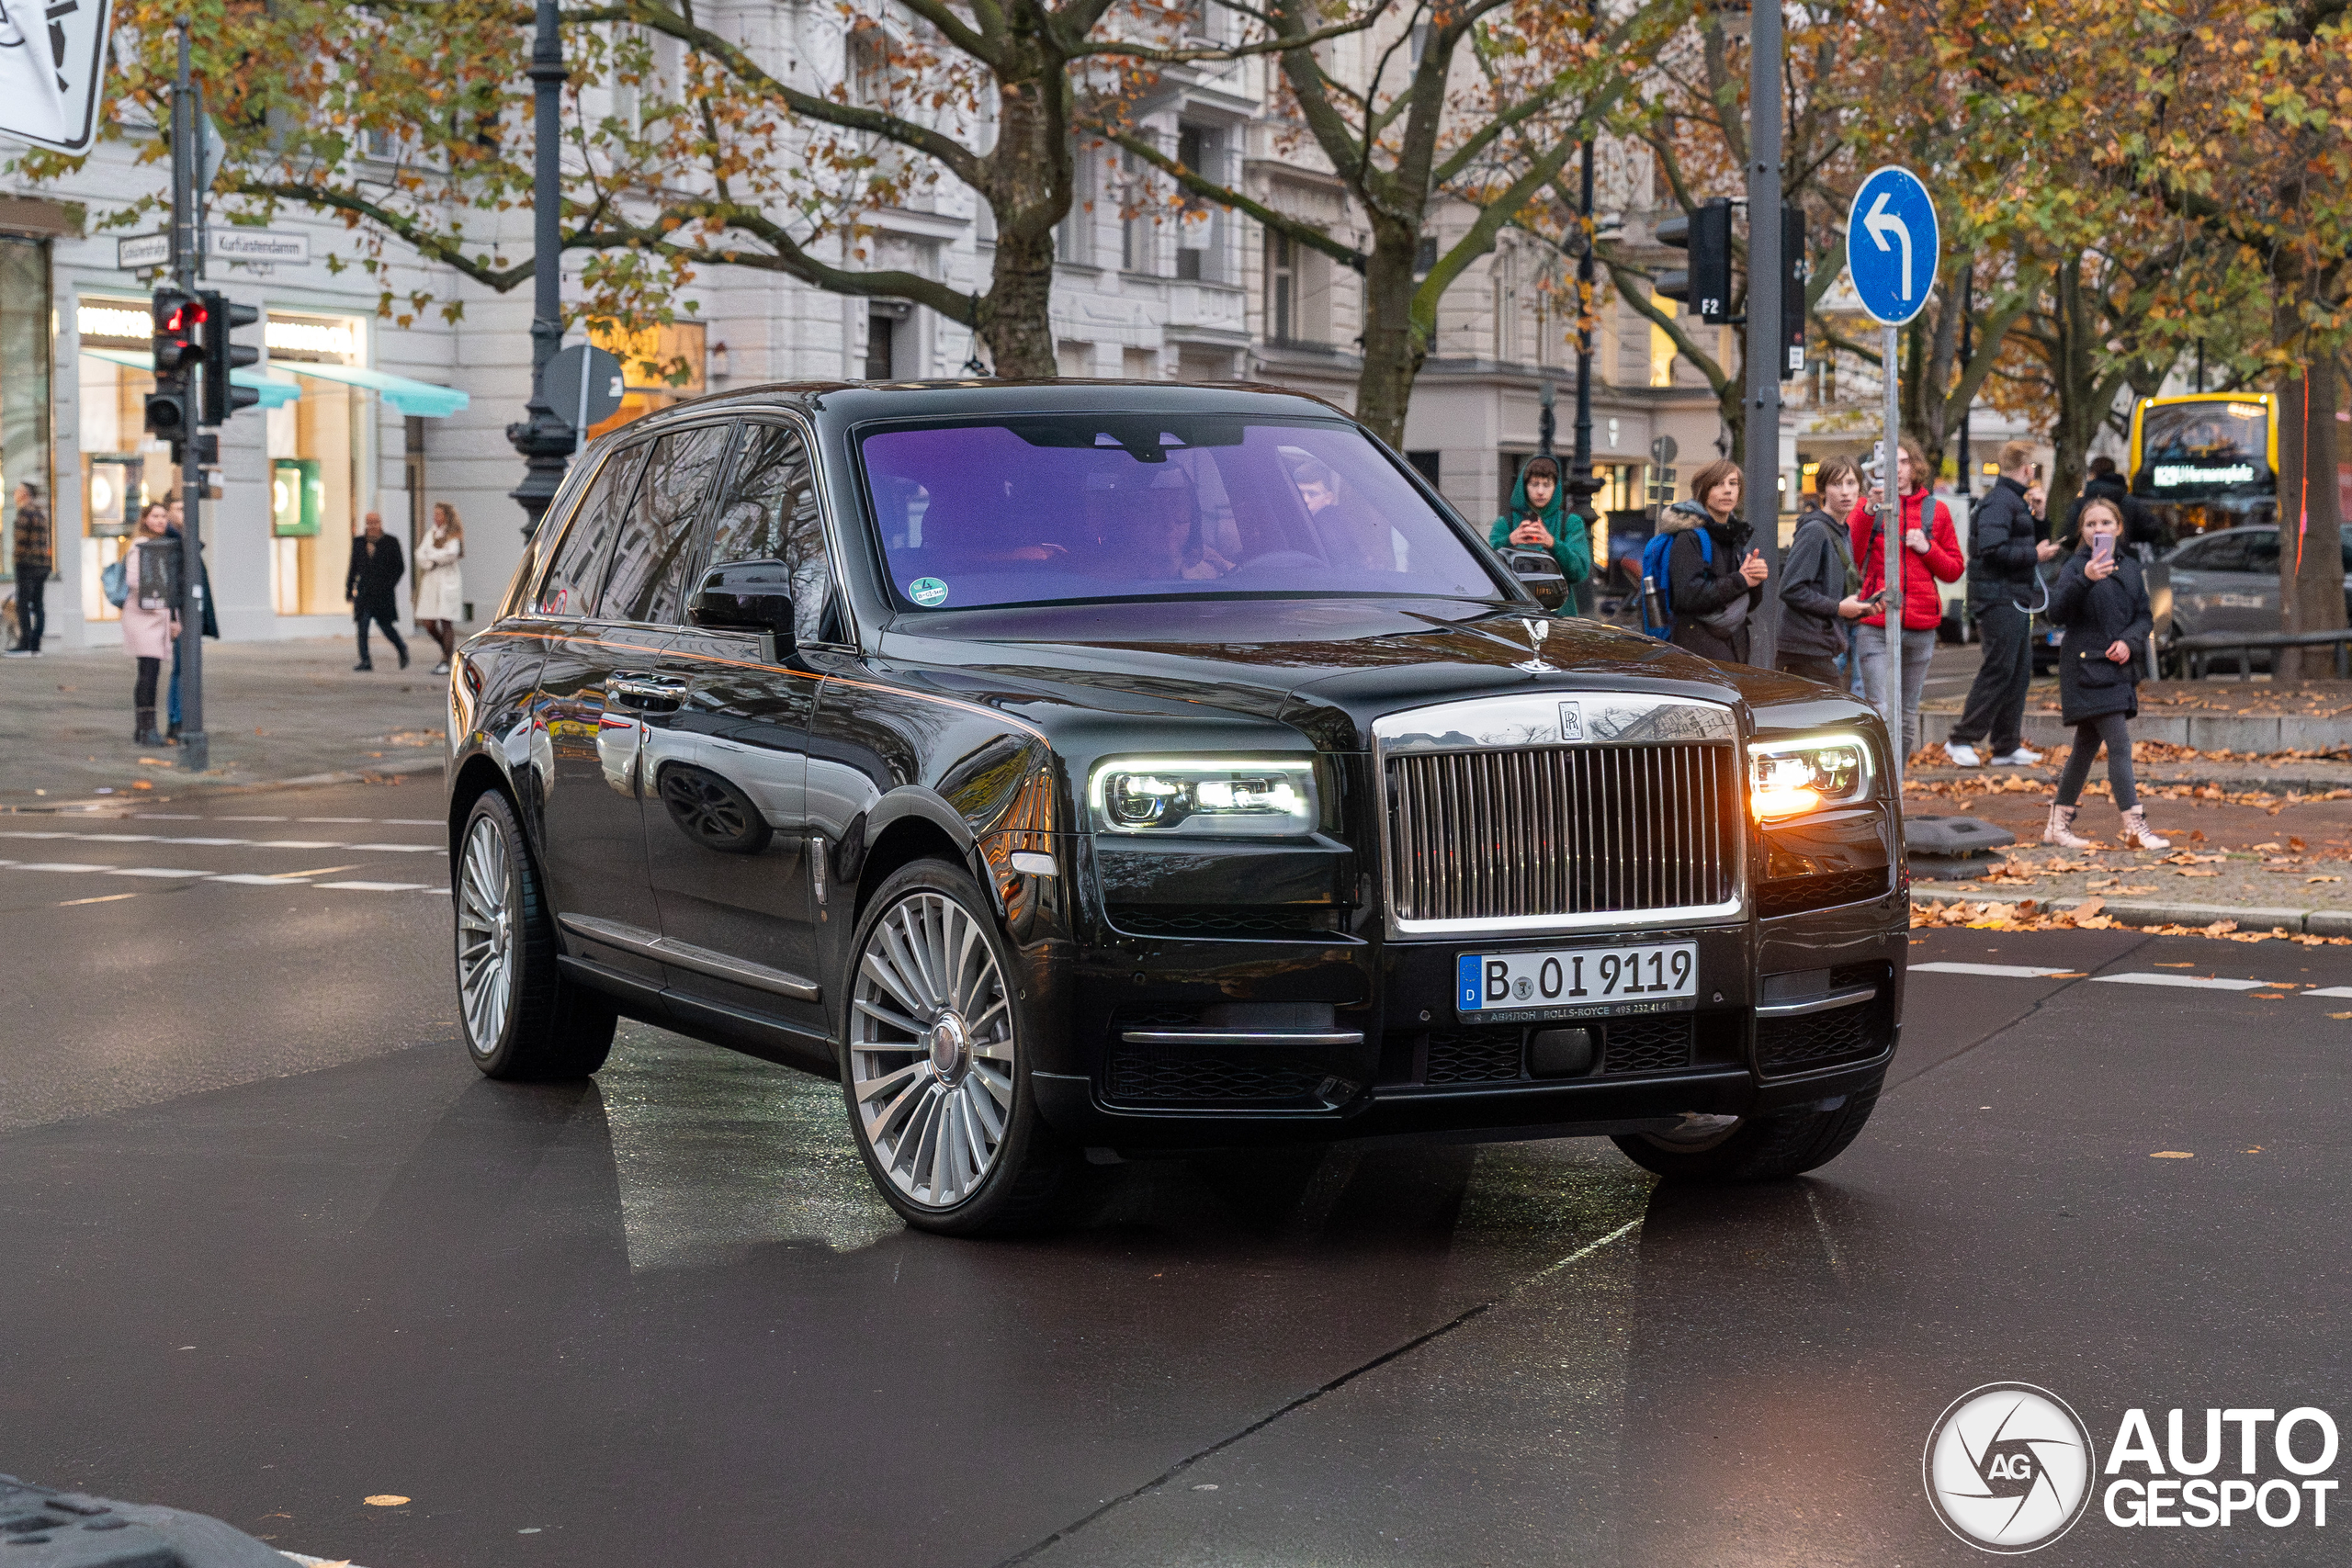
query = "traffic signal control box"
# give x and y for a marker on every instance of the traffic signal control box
(1705, 285)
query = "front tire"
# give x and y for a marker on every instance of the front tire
(933, 1062)
(522, 1018)
(1770, 1148)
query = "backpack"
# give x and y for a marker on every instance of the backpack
(115, 581)
(1657, 587)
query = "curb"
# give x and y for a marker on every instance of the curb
(182, 790)
(2271, 784)
(2136, 912)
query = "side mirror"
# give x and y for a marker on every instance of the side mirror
(750, 597)
(1539, 574)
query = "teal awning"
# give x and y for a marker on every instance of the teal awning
(422, 398)
(275, 391)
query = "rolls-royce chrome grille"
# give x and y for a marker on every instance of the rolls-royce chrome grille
(1559, 811)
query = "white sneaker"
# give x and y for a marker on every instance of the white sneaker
(2021, 757)
(1962, 756)
(18, 653)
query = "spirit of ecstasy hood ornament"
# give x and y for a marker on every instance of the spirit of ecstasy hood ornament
(1537, 630)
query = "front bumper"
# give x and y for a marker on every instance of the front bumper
(1359, 1037)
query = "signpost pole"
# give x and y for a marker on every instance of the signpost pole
(1891, 536)
(196, 750)
(1760, 492)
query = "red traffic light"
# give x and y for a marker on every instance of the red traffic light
(184, 319)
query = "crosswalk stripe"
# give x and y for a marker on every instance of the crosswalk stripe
(2190, 982)
(378, 886)
(2003, 971)
(163, 871)
(2331, 991)
(227, 843)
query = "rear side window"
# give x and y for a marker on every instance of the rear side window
(571, 585)
(649, 557)
(2262, 553)
(2223, 552)
(768, 511)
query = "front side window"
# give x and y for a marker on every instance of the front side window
(570, 587)
(1043, 508)
(768, 511)
(650, 558)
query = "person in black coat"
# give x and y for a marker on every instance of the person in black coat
(2103, 602)
(376, 568)
(2005, 547)
(1713, 599)
(2141, 523)
(1819, 580)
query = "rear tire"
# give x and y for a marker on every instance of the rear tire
(522, 1018)
(1771, 1147)
(934, 1068)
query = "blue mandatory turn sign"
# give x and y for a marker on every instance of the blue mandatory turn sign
(1892, 244)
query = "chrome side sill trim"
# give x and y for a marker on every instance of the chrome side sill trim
(686, 955)
(1241, 1037)
(1829, 1003)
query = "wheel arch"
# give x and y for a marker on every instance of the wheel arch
(478, 776)
(912, 835)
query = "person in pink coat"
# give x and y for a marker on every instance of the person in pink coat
(149, 626)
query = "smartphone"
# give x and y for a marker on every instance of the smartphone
(1878, 600)
(2102, 548)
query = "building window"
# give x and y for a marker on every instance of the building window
(1139, 364)
(123, 467)
(881, 346)
(319, 461)
(659, 366)
(1662, 350)
(24, 384)
(1196, 225)
(1074, 358)
(1281, 282)
(1074, 235)
(868, 74)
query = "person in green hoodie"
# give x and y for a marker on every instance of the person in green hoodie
(1538, 519)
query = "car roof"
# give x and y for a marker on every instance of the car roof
(846, 402)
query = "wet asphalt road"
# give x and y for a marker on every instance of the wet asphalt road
(268, 1245)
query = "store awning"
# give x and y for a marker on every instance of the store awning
(276, 390)
(422, 398)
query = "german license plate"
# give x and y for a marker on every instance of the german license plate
(1578, 982)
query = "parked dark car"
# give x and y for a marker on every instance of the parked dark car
(2227, 580)
(1077, 769)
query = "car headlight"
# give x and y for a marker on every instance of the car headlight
(1253, 797)
(1788, 778)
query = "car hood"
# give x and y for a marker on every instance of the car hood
(1326, 667)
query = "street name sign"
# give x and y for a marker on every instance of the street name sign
(256, 248)
(1892, 244)
(52, 62)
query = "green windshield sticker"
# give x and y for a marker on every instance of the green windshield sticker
(927, 591)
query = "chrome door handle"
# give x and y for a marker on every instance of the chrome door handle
(632, 690)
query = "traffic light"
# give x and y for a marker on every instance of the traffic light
(178, 343)
(221, 396)
(1794, 272)
(1706, 285)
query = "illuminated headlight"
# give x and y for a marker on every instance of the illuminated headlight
(1788, 778)
(1251, 797)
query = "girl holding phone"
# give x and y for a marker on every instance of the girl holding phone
(2103, 603)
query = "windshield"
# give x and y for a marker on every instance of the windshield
(1036, 508)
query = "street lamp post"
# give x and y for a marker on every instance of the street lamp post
(544, 438)
(1582, 486)
(1766, 347)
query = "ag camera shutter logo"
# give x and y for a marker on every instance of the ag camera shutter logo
(2008, 1467)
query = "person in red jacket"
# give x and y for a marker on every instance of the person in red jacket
(1931, 554)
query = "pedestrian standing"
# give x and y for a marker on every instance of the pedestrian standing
(1537, 520)
(1819, 583)
(1712, 588)
(376, 568)
(440, 589)
(36, 557)
(1930, 552)
(2102, 601)
(151, 622)
(2004, 586)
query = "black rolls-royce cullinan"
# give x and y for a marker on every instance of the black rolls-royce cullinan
(1080, 770)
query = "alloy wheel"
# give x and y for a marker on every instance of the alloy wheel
(485, 936)
(931, 1050)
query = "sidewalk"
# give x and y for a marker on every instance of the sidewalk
(276, 711)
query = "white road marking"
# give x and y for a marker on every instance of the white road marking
(2331, 991)
(228, 843)
(164, 871)
(379, 886)
(58, 865)
(2003, 971)
(416, 849)
(2191, 982)
(256, 879)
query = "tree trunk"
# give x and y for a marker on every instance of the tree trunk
(1016, 316)
(2311, 570)
(1393, 351)
(2074, 377)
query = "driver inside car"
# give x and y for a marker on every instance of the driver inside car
(1147, 524)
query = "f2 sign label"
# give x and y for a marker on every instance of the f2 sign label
(1892, 244)
(52, 62)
